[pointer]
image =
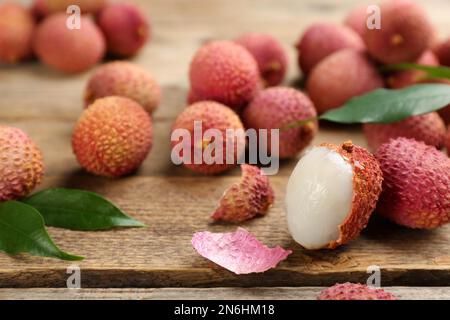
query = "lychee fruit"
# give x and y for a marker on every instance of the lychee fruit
(68, 50)
(45, 7)
(416, 186)
(405, 33)
(203, 150)
(225, 72)
(447, 141)
(249, 198)
(442, 51)
(124, 79)
(341, 76)
(357, 19)
(428, 128)
(16, 29)
(331, 194)
(112, 137)
(269, 54)
(21, 165)
(277, 108)
(126, 28)
(354, 291)
(321, 40)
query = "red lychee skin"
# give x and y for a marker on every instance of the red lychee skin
(68, 50)
(447, 141)
(249, 198)
(124, 79)
(354, 291)
(269, 54)
(428, 128)
(357, 19)
(112, 137)
(21, 164)
(43, 8)
(126, 28)
(416, 184)
(442, 51)
(340, 77)
(225, 72)
(278, 107)
(16, 29)
(213, 115)
(321, 40)
(404, 35)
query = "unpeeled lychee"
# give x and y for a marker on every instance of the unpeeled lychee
(354, 291)
(269, 54)
(277, 108)
(416, 186)
(357, 19)
(251, 197)
(442, 51)
(124, 79)
(331, 195)
(21, 165)
(112, 137)
(225, 72)
(16, 29)
(428, 128)
(208, 153)
(46, 7)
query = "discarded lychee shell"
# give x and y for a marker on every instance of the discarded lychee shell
(354, 291)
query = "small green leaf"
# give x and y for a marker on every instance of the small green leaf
(79, 210)
(432, 72)
(386, 106)
(22, 230)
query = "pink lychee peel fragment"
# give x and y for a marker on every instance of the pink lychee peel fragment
(239, 252)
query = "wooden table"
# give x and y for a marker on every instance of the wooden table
(159, 262)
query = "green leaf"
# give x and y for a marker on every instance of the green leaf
(22, 230)
(432, 72)
(79, 210)
(386, 106)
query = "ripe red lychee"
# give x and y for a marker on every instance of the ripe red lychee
(321, 40)
(416, 186)
(269, 54)
(21, 165)
(331, 195)
(354, 291)
(357, 19)
(276, 108)
(45, 7)
(68, 50)
(124, 79)
(112, 137)
(225, 72)
(442, 51)
(208, 151)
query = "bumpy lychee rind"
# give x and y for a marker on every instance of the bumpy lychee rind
(250, 197)
(112, 137)
(340, 77)
(21, 165)
(322, 39)
(354, 291)
(269, 54)
(276, 108)
(68, 50)
(428, 128)
(45, 7)
(124, 79)
(442, 51)
(212, 115)
(225, 72)
(16, 30)
(416, 187)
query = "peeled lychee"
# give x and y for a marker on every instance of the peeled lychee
(45, 7)
(269, 54)
(21, 165)
(251, 197)
(124, 79)
(225, 72)
(276, 108)
(209, 151)
(428, 128)
(357, 19)
(404, 34)
(443, 53)
(321, 40)
(331, 195)
(354, 291)
(126, 28)
(416, 186)
(340, 77)
(68, 50)
(16, 29)
(112, 137)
